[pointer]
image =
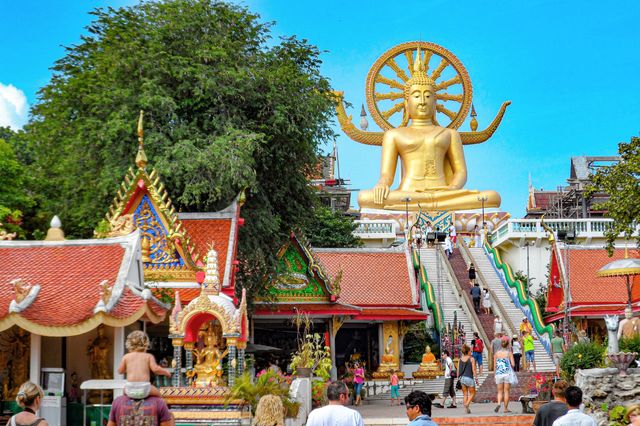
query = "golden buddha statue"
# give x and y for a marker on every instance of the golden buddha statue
(208, 368)
(429, 367)
(433, 164)
(389, 363)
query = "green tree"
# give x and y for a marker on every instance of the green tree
(226, 108)
(621, 182)
(13, 196)
(329, 228)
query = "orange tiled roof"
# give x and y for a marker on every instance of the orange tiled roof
(371, 277)
(204, 232)
(69, 274)
(588, 288)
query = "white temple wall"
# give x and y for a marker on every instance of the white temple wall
(516, 257)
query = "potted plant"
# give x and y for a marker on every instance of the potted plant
(541, 386)
(312, 356)
(267, 382)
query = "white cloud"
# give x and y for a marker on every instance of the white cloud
(13, 107)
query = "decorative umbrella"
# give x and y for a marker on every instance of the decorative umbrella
(626, 267)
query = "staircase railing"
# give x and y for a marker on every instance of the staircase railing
(470, 311)
(516, 290)
(430, 296)
(495, 301)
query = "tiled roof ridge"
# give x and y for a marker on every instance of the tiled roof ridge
(398, 249)
(124, 241)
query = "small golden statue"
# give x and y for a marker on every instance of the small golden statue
(208, 368)
(389, 363)
(429, 367)
(98, 351)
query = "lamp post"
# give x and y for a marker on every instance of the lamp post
(527, 245)
(406, 201)
(483, 199)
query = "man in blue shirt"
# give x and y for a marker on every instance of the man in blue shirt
(418, 406)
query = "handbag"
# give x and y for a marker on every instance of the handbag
(459, 385)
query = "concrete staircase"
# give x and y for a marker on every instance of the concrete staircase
(544, 362)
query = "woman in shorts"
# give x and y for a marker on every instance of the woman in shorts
(467, 371)
(504, 375)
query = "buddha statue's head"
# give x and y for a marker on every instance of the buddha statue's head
(427, 349)
(419, 94)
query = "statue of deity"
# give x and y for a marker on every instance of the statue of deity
(98, 351)
(20, 352)
(434, 170)
(208, 368)
(429, 367)
(629, 327)
(389, 363)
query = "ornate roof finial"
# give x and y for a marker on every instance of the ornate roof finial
(141, 157)
(55, 232)
(211, 283)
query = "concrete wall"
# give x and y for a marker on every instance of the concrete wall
(516, 257)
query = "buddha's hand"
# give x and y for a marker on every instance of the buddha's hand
(380, 193)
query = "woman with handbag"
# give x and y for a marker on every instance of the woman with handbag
(467, 380)
(504, 374)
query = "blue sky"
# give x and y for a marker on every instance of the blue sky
(570, 68)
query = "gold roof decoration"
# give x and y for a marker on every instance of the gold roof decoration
(142, 202)
(211, 284)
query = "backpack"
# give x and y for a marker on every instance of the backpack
(478, 346)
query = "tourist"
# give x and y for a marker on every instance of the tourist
(555, 408)
(633, 415)
(394, 383)
(468, 376)
(574, 416)
(151, 410)
(476, 294)
(496, 344)
(529, 351)
(335, 413)
(486, 301)
(477, 236)
(448, 248)
(269, 412)
(516, 348)
(418, 405)
(358, 382)
(504, 375)
(29, 398)
(477, 347)
(526, 325)
(138, 366)
(453, 235)
(497, 325)
(448, 390)
(472, 274)
(557, 349)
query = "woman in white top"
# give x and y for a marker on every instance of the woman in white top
(486, 301)
(517, 352)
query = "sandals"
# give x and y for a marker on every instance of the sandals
(495, 410)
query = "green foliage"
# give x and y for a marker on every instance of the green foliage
(630, 344)
(267, 383)
(540, 296)
(329, 228)
(14, 198)
(226, 108)
(581, 356)
(621, 182)
(617, 416)
(311, 352)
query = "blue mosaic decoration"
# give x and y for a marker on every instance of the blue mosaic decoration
(162, 252)
(440, 219)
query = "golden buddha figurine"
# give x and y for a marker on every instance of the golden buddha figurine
(208, 368)
(429, 368)
(389, 363)
(433, 164)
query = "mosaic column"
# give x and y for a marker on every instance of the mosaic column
(188, 355)
(241, 360)
(232, 365)
(176, 377)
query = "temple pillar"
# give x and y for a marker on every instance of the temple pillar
(118, 350)
(241, 357)
(233, 362)
(35, 358)
(176, 377)
(188, 355)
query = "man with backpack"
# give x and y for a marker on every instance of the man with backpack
(477, 346)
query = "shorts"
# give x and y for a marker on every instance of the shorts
(478, 357)
(503, 378)
(468, 382)
(557, 357)
(395, 391)
(137, 390)
(357, 388)
(530, 356)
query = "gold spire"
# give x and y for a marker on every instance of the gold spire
(141, 157)
(419, 76)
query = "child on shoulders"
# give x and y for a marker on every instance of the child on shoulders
(138, 366)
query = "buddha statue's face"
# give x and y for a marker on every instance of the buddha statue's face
(421, 102)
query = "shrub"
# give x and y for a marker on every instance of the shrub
(630, 345)
(581, 357)
(267, 383)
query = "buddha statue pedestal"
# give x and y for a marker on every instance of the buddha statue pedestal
(387, 367)
(429, 367)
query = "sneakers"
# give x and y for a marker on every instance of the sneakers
(438, 405)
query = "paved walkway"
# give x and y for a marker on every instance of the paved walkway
(380, 413)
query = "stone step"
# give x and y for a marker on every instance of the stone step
(486, 420)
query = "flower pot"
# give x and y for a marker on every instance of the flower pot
(303, 372)
(622, 361)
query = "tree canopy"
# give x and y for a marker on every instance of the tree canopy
(226, 108)
(13, 182)
(330, 228)
(621, 182)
